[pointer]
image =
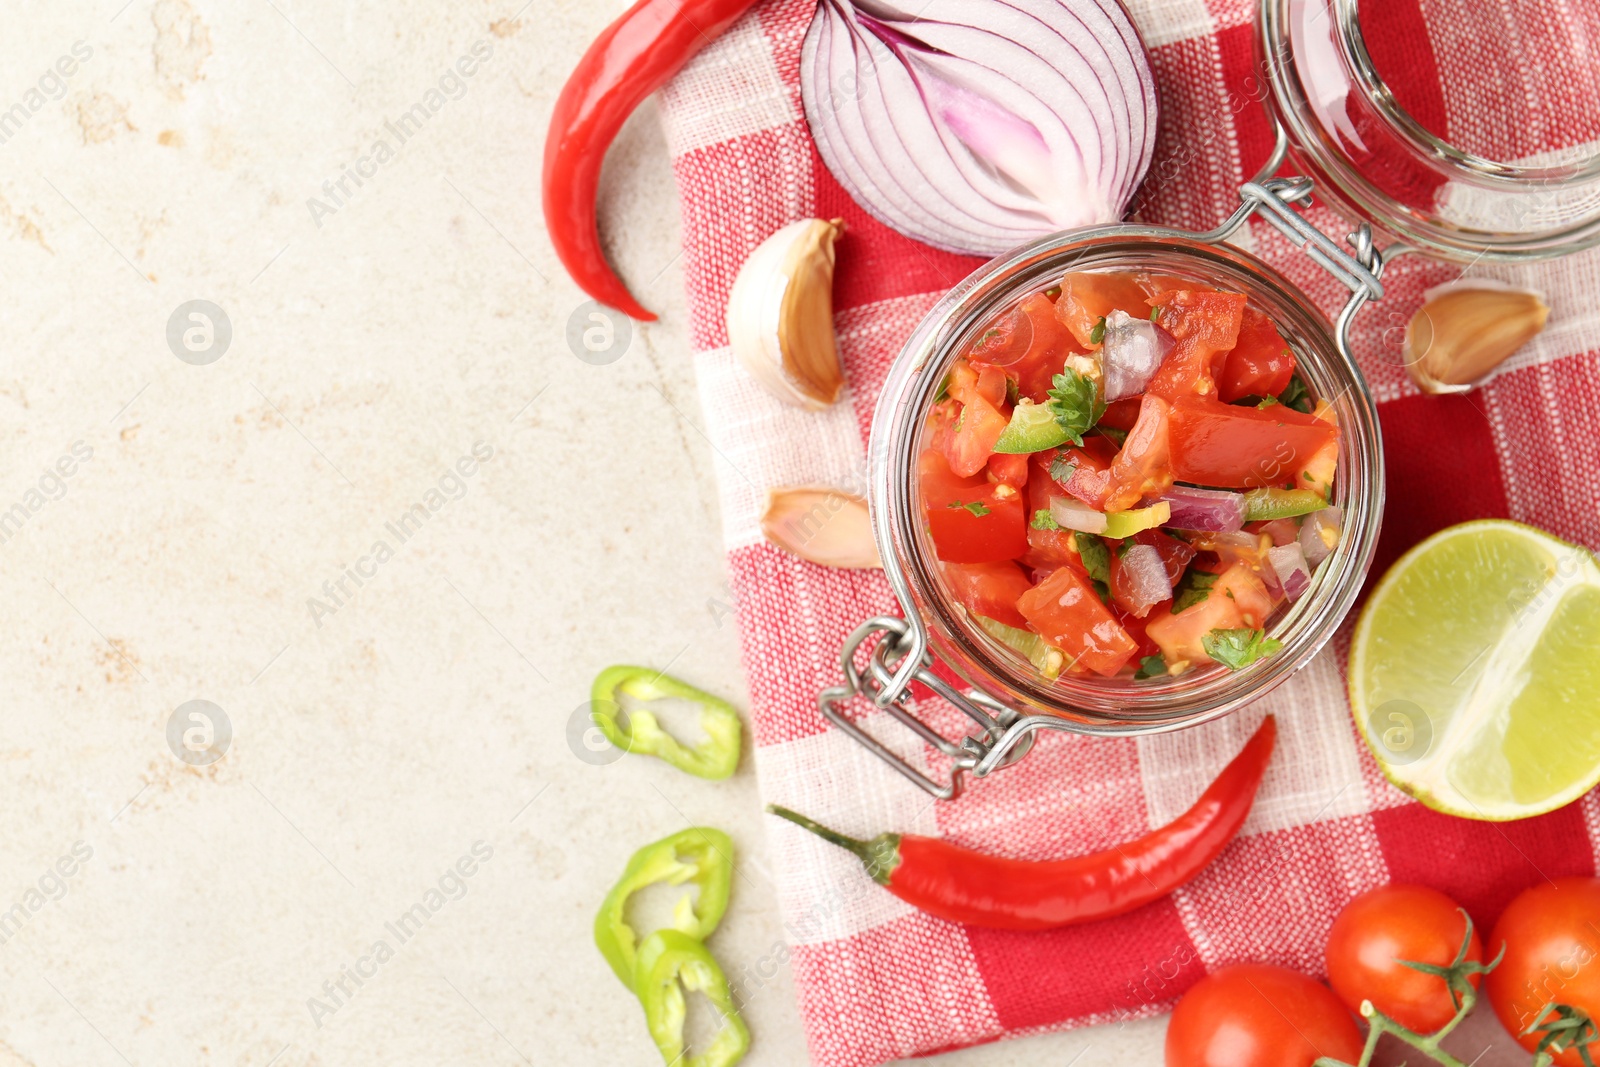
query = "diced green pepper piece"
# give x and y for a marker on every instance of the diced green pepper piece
(1045, 657)
(1266, 504)
(699, 856)
(715, 757)
(1120, 524)
(671, 965)
(1033, 428)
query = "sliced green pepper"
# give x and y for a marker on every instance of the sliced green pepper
(701, 856)
(671, 965)
(715, 757)
(1262, 504)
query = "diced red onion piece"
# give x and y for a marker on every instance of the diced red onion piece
(1075, 515)
(1147, 577)
(1210, 510)
(1133, 350)
(1319, 535)
(1289, 561)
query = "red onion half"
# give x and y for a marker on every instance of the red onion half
(981, 125)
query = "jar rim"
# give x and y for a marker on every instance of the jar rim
(1481, 208)
(1108, 707)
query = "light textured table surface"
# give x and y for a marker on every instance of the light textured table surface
(381, 729)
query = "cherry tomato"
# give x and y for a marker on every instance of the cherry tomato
(1253, 1015)
(1260, 363)
(1205, 324)
(1551, 935)
(1377, 930)
(1233, 447)
(990, 589)
(1066, 611)
(972, 520)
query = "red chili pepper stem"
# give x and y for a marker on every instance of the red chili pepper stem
(881, 855)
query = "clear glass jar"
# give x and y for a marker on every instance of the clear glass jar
(1340, 125)
(1525, 188)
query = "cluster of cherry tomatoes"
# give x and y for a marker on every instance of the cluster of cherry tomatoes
(1255, 1015)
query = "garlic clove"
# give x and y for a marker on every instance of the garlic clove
(780, 314)
(1466, 329)
(822, 525)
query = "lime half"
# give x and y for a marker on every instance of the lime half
(1475, 671)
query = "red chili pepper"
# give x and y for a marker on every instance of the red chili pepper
(632, 58)
(970, 887)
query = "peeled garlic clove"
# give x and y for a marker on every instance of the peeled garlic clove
(1465, 329)
(780, 314)
(826, 526)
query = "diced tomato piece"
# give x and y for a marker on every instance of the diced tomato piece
(1317, 472)
(1012, 470)
(941, 425)
(1135, 627)
(990, 589)
(1248, 592)
(1178, 636)
(1175, 554)
(1260, 363)
(1204, 324)
(1121, 414)
(1140, 467)
(981, 421)
(1087, 297)
(972, 520)
(1006, 340)
(1067, 613)
(1047, 549)
(992, 385)
(1232, 447)
(1048, 352)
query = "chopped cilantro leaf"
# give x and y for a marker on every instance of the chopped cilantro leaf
(944, 390)
(1296, 395)
(976, 507)
(1151, 667)
(1102, 590)
(1043, 520)
(1155, 314)
(1053, 292)
(1267, 402)
(1095, 555)
(1193, 588)
(1098, 334)
(1062, 469)
(1237, 649)
(1075, 402)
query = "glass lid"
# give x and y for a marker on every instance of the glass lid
(1466, 128)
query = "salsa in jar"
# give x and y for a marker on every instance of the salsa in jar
(1126, 475)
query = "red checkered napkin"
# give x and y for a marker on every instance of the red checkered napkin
(877, 980)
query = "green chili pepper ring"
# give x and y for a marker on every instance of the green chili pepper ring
(700, 856)
(672, 964)
(715, 757)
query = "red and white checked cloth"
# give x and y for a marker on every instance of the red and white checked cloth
(876, 979)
